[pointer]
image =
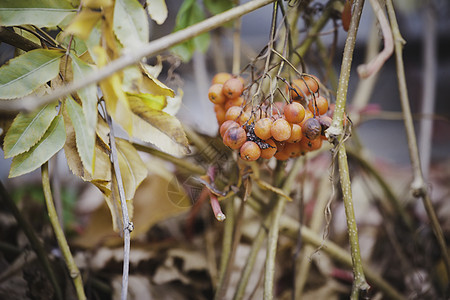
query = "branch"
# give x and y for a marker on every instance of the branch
(132, 56)
(127, 224)
(418, 186)
(34, 241)
(336, 134)
(377, 62)
(16, 40)
(59, 233)
(290, 228)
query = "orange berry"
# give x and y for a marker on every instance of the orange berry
(301, 86)
(270, 151)
(294, 112)
(308, 115)
(262, 128)
(215, 94)
(293, 149)
(221, 77)
(220, 113)
(319, 105)
(296, 134)
(233, 102)
(250, 151)
(233, 113)
(310, 145)
(311, 128)
(226, 125)
(234, 137)
(281, 130)
(282, 155)
(280, 145)
(233, 88)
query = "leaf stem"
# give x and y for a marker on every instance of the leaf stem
(59, 233)
(418, 186)
(127, 224)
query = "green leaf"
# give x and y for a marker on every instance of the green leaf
(27, 129)
(157, 10)
(130, 23)
(88, 95)
(189, 14)
(52, 141)
(43, 13)
(218, 6)
(156, 102)
(85, 135)
(27, 72)
(158, 128)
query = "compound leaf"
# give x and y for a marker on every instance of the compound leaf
(25, 73)
(52, 141)
(27, 129)
(43, 13)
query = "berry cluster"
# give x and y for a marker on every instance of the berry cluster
(279, 129)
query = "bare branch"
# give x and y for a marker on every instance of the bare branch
(377, 62)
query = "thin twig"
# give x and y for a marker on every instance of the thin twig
(272, 239)
(36, 245)
(418, 186)
(430, 55)
(127, 224)
(182, 163)
(236, 44)
(377, 62)
(227, 241)
(290, 227)
(134, 56)
(59, 233)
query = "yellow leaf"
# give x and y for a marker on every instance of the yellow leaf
(151, 85)
(151, 101)
(115, 98)
(97, 3)
(83, 23)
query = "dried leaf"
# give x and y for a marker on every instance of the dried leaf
(28, 71)
(158, 128)
(27, 129)
(151, 85)
(132, 167)
(52, 141)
